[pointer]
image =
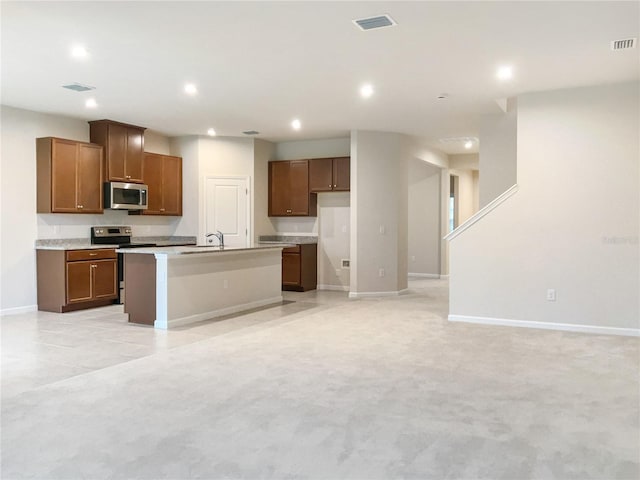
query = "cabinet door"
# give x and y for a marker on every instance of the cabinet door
(116, 151)
(134, 155)
(64, 176)
(291, 269)
(79, 287)
(172, 185)
(321, 175)
(90, 178)
(152, 175)
(299, 187)
(342, 174)
(278, 189)
(105, 275)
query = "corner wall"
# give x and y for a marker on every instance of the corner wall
(572, 226)
(379, 197)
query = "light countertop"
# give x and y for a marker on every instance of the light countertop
(197, 249)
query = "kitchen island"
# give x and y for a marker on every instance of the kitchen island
(172, 286)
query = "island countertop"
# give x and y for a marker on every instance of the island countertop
(201, 249)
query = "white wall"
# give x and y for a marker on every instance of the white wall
(323, 148)
(21, 226)
(572, 226)
(263, 152)
(424, 218)
(497, 154)
(379, 198)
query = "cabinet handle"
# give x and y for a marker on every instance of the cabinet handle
(334, 186)
(162, 209)
(80, 206)
(329, 185)
(94, 266)
(93, 254)
(128, 177)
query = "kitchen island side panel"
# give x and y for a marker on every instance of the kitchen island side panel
(206, 286)
(140, 288)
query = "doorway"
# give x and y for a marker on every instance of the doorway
(227, 209)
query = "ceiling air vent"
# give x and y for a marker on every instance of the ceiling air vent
(374, 22)
(624, 44)
(251, 132)
(78, 87)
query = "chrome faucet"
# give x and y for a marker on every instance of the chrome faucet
(219, 235)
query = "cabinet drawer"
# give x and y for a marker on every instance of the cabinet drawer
(94, 254)
(294, 249)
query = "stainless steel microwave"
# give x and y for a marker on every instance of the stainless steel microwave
(125, 196)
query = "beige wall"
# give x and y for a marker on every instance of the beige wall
(21, 226)
(424, 218)
(334, 229)
(497, 154)
(572, 226)
(379, 197)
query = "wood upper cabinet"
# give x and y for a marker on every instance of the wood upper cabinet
(124, 149)
(163, 175)
(330, 174)
(289, 189)
(69, 176)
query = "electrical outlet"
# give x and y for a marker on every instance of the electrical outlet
(381, 272)
(383, 230)
(338, 272)
(413, 258)
(226, 283)
(551, 295)
(344, 229)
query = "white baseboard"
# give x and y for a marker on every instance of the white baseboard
(444, 277)
(175, 322)
(568, 327)
(377, 294)
(18, 310)
(424, 275)
(337, 288)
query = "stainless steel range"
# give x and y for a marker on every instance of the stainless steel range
(120, 236)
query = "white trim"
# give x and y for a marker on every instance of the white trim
(492, 205)
(18, 310)
(377, 294)
(424, 275)
(337, 288)
(164, 324)
(444, 277)
(569, 327)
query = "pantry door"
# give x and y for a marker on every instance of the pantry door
(227, 209)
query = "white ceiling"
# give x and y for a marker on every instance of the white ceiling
(258, 65)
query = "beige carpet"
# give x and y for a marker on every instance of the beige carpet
(329, 388)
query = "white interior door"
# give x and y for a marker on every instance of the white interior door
(226, 209)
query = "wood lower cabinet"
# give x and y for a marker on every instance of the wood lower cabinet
(300, 267)
(76, 279)
(330, 174)
(69, 176)
(289, 194)
(124, 149)
(163, 175)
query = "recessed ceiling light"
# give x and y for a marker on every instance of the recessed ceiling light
(505, 73)
(91, 103)
(190, 89)
(211, 132)
(296, 125)
(468, 144)
(366, 90)
(79, 51)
